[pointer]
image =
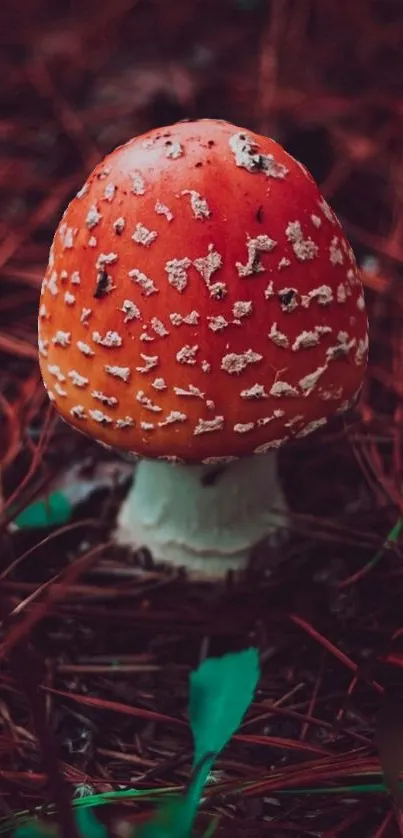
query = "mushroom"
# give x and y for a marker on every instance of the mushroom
(201, 305)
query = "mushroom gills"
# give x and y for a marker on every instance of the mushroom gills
(208, 527)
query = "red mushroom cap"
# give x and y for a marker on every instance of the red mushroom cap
(201, 299)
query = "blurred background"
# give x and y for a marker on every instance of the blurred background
(84, 623)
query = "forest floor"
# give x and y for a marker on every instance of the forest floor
(97, 642)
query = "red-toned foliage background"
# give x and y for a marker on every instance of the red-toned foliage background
(325, 78)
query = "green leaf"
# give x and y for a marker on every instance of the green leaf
(221, 690)
(35, 828)
(167, 822)
(88, 825)
(52, 511)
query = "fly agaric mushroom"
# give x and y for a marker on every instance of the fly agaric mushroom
(201, 305)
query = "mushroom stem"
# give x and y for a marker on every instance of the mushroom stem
(203, 517)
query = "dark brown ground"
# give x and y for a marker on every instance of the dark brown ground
(86, 624)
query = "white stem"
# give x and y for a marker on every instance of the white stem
(187, 518)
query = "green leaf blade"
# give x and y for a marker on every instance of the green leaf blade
(35, 828)
(53, 511)
(168, 822)
(88, 824)
(221, 690)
